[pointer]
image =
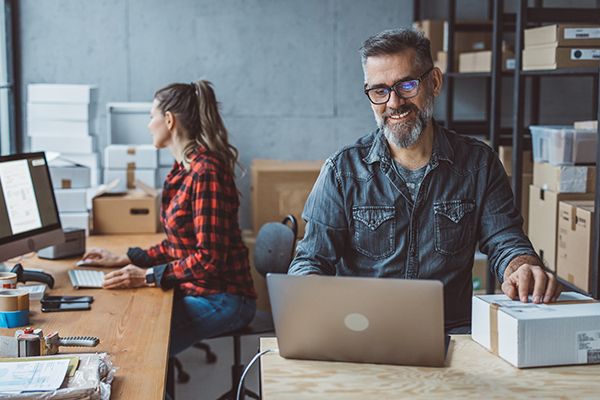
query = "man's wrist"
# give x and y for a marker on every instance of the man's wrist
(124, 260)
(516, 262)
(150, 277)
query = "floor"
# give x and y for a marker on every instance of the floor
(209, 381)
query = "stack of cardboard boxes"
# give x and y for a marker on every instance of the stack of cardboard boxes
(561, 46)
(558, 175)
(62, 118)
(71, 183)
(130, 163)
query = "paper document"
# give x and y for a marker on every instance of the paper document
(40, 375)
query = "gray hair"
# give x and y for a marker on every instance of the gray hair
(395, 41)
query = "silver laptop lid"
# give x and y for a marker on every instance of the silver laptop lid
(372, 320)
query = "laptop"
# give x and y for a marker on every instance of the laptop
(366, 320)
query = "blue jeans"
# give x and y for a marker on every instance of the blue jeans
(199, 317)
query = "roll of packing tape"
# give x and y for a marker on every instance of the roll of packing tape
(13, 319)
(14, 300)
(8, 280)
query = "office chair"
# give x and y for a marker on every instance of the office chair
(273, 253)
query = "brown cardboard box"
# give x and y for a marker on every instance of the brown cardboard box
(565, 178)
(260, 283)
(442, 61)
(468, 41)
(136, 211)
(481, 61)
(563, 35)
(543, 220)
(505, 155)
(552, 57)
(280, 188)
(434, 31)
(575, 235)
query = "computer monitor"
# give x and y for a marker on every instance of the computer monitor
(28, 214)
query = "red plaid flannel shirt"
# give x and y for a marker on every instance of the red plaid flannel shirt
(203, 248)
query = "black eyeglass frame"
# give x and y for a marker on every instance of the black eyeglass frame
(395, 85)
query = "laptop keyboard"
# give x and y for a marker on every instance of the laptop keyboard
(85, 278)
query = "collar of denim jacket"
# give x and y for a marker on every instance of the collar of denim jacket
(442, 150)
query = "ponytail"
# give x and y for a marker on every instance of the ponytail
(197, 111)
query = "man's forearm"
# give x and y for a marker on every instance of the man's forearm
(516, 262)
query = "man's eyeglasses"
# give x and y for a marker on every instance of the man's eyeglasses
(405, 89)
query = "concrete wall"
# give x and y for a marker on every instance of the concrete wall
(287, 72)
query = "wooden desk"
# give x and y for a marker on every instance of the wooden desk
(133, 325)
(472, 372)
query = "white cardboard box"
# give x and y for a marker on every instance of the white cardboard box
(162, 175)
(67, 128)
(61, 111)
(76, 220)
(122, 156)
(66, 175)
(127, 123)
(90, 160)
(127, 178)
(71, 200)
(80, 144)
(61, 93)
(535, 335)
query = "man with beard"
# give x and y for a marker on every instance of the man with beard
(412, 199)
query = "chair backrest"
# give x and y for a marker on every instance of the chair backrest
(275, 244)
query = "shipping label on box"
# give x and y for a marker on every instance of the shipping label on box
(66, 175)
(136, 211)
(535, 335)
(118, 156)
(575, 235)
(127, 178)
(280, 188)
(565, 178)
(543, 221)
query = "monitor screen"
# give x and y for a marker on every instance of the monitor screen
(28, 215)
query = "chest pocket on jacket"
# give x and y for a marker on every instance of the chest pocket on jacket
(374, 230)
(454, 225)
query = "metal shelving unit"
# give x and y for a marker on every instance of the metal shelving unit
(533, 16)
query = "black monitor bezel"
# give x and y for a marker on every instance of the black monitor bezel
(44, 229)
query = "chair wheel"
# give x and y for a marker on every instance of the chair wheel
(211, 357)
(183, 377)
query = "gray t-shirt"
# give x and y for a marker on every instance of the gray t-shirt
(413, 179)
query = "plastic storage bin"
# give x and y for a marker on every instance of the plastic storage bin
(563, 145)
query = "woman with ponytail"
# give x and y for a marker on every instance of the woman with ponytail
(203, 257)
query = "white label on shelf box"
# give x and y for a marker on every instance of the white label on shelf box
(582, 33)
(585, 54)
(588, 347)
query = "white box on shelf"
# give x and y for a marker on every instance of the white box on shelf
(563, 145)
(66, 175)
(61, 111)
(61, 93)
(127, 178)
(80, 144)
(127, 123)
(535, 335)
(71, 200)
(129, 156)
(65, 128)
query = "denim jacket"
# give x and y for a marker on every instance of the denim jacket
(361, 220)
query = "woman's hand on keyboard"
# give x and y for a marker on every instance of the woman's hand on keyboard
(124, 278)
(103, 258)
